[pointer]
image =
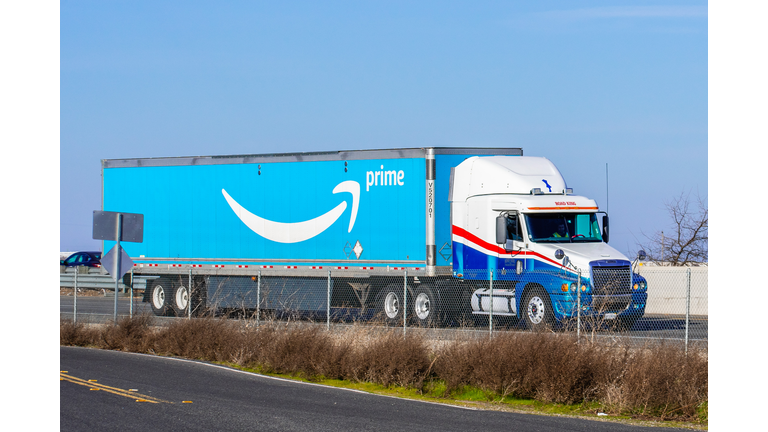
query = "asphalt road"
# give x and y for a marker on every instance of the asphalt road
(110, 390)
(101, 308)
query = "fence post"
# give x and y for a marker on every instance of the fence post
(687, 308)
(578, 308)
(189, 295)
(75, 318)
(490, 314)
(405, 300)
(118, 236)
(258, 300)
(328, 304)
(130, 311)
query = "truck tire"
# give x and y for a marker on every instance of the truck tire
(389, 305)
(425, 308)
(537, 311)
(159, 297)
(180, 300)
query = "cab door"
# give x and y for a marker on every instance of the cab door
(515, 244)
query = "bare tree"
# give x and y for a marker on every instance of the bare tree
(687, 242)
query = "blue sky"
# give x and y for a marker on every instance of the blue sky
(583, 83)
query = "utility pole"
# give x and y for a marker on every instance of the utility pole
(606, 188)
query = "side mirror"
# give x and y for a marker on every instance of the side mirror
(641, 255)
(605, 228)
(501, 230)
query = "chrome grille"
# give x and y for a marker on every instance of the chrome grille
(611, 280)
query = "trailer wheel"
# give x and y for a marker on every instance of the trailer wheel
(426, 310)
(537, 310)
(159, 297)
(389, 304)
(180, 300)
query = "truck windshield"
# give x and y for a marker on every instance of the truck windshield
(563, 227)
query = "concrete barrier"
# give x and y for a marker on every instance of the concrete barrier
(667, 288)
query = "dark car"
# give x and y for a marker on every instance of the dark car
(87, 259)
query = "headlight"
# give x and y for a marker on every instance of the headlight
(640, 285)
(574, 287)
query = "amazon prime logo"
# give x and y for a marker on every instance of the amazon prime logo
(384, 178)
(295, 232)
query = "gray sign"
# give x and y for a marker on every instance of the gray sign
(108, 262)
(105, 226)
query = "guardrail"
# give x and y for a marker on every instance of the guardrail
(96, 279)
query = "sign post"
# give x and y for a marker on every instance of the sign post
(117, 227)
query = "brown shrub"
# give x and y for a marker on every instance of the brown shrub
(661, 382)
(209, 339)
(77, 334)
(456, 362)
(390, 359)
(296, 350)
(130, 334)
(565, 371)
(549, 368)
(509, 364)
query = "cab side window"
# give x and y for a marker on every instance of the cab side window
(513, 228)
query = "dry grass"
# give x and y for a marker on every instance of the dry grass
(527, 365)
(660, 381)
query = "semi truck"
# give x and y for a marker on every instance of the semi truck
(438, 234)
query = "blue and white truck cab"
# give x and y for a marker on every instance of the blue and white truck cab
(515, 221)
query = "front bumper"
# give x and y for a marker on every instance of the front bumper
(566, 306)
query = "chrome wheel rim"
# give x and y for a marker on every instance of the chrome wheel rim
(158, 297)
(391, 305)
(182, 298)
(536, 310)
(421, 306)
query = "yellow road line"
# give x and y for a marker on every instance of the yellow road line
(93, 385)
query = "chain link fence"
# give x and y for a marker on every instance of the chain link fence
(651, 302)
